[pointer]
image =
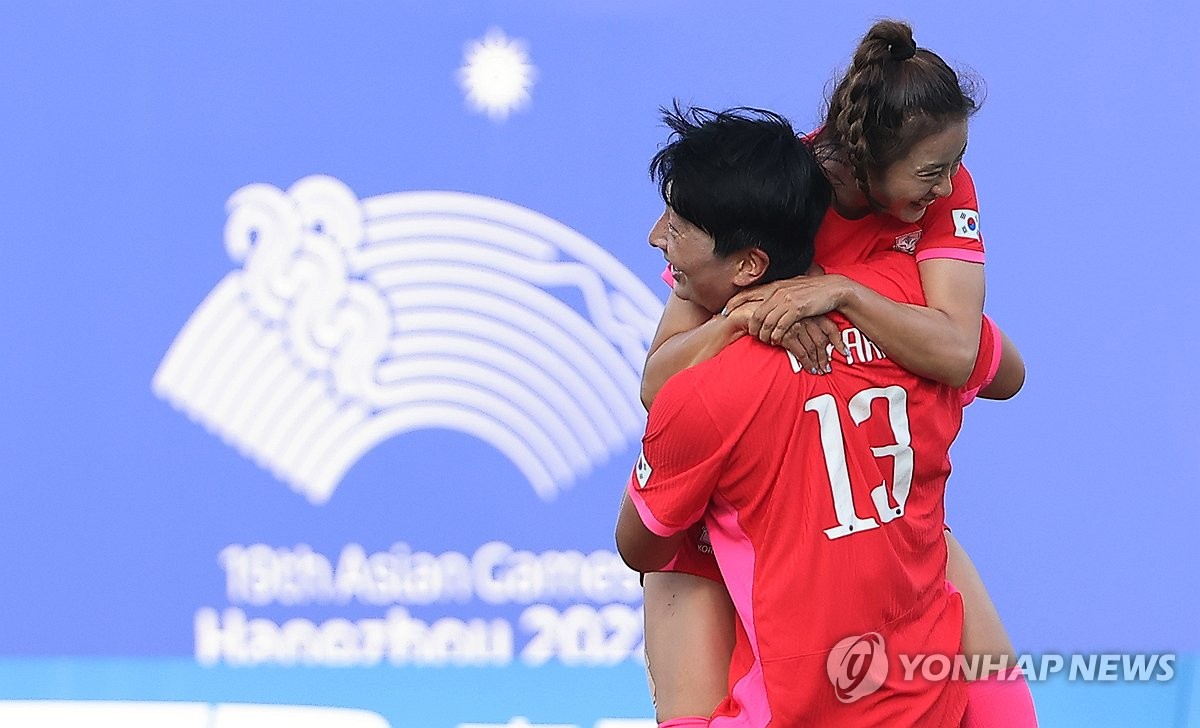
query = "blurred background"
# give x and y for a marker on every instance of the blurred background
(322, 324)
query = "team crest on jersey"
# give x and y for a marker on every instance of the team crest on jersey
(348, 322)
(966, 224)
(907, 243)
(642, 470)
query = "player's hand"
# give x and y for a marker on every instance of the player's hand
(810, 341)
(782, 304)
(739, 315)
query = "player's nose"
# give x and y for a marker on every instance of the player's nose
(658, 232)
(944, 185)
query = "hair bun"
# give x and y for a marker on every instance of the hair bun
(902, 50)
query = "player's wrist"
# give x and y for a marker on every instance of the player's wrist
(846, 293)
(733, 324)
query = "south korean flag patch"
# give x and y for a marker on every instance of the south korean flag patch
(642, 470)
(966, 224)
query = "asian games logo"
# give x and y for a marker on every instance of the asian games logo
(857, 666)
(349, 322)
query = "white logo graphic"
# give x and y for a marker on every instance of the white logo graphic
(351, 322)
(642, 470)
(907, 243)
(496, 75)
(966, 224)
(857, 666)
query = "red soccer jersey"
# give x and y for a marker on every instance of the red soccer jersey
(948, 229)
(823, 500)
(894, 275)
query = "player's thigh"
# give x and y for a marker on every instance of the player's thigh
(689, 642)
(983, 632)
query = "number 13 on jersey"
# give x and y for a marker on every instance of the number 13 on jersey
(834, 448)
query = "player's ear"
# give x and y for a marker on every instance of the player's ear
(751, 266)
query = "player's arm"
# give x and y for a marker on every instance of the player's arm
(999, 371)
(642, 549)
(1010, 375)
(938, 341)
(687, 334)
(670, 487)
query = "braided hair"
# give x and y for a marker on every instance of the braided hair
(892, 96)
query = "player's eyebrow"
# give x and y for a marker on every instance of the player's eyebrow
(938, 165)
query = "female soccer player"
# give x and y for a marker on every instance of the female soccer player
(892, 146)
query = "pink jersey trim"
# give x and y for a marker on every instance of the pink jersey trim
(968, 396)
(969, 256)
(735, 554)
(653, 524)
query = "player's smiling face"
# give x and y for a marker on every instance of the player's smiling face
(910, 184)
(701, 276)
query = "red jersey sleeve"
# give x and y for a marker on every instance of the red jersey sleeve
(681, 461)
(950, 225)
(987, 363)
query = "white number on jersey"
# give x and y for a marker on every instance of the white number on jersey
(834, 447)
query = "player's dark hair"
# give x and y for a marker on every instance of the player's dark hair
(893, 95)
(744, 177)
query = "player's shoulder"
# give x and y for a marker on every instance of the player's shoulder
(950, 226)
(677, 393)
(688, 393)
(743, 356)
(737, 376)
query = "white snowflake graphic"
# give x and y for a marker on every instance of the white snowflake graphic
(496, 74)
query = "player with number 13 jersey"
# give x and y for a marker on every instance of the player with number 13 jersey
(770, 458)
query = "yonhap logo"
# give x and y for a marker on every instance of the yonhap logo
(857, 666)
(351, 322)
